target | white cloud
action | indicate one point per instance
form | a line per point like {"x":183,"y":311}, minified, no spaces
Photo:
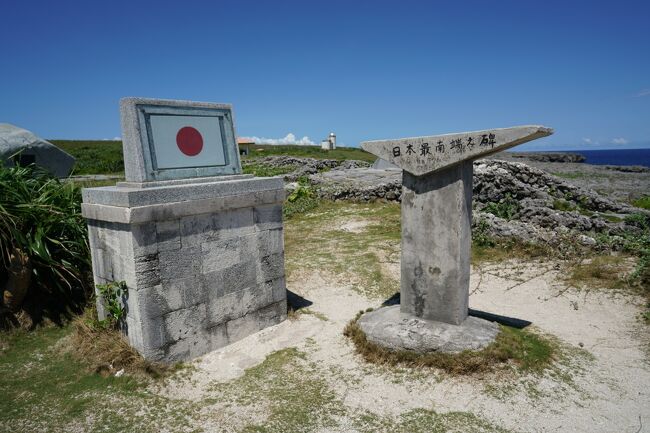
{"x":644,"y":92}
{"x":587,"y":140}
{"x":619,"y":140}
{"x":288,"y":139}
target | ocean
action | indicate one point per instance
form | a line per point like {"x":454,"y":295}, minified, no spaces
{"x":616,"y":156}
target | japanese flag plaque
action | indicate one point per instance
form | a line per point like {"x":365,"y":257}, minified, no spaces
{"x":436,"y":240}
{"x":198,"y":244}
{"x":166,"y":140}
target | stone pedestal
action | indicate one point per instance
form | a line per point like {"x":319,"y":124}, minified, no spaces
{"x":436,"y":241}
{"x":203,"y":259}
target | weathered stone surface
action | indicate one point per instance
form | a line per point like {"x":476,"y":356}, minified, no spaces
{"x":436,"y":238}
{"x":196,"y":281}
{"x":26,"y":147}
{"x":382,"y":164}
{"x":390,"y":328}
{"x":135,"y":197}
{"x":424,"y":155}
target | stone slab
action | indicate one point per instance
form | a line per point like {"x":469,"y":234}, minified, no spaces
{"x":165,"y":211}
{"x":390,"y":328}
{"x":423,"y":155}
{"x":134,"y":197}
{"x":173,"y":182}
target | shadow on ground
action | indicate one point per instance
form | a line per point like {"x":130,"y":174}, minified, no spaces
{"x":503,"y":320}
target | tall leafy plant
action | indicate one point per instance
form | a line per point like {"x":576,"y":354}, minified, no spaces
{"x":40,"y":217}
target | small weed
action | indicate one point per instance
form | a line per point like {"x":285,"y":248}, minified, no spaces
{"x":301,"y":200}
{"x":480,"y":235}
{"x":112,"y":295}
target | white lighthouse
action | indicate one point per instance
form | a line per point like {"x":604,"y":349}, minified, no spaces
{"x":329,"y":143}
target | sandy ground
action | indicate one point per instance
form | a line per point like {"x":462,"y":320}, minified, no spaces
{"x":603,"y":387}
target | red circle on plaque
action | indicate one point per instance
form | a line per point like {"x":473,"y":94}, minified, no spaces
{"x":189,"y":140}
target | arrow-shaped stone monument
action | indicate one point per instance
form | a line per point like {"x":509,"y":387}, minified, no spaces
{"x":436,"y":239}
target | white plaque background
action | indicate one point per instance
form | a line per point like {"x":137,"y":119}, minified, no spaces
{"x":164,"y":129}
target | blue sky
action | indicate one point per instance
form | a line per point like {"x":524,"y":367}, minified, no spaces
{"x":363,"y":69}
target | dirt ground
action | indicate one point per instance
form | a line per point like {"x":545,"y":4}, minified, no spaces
{"x":304,"y":375}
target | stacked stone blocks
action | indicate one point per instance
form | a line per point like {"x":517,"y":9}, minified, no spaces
{"x":196,"y":281}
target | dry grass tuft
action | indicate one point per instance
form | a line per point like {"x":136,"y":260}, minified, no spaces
{"x":601,"y":272}
{"x":106,"y":351}
{"x":512,"y":346}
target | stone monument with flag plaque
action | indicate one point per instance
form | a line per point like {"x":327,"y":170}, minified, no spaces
{"x":436,"y":240}
{"x":198,"y":244}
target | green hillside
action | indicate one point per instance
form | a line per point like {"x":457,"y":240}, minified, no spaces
{"x":105,"y":156}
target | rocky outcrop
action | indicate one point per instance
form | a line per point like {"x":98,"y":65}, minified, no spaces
{"x":549,"y":156}
{"x":514,"y":200}
{"x":306,"y":166}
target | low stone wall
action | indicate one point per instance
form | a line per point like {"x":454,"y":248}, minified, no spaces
{"x":202,"y":272}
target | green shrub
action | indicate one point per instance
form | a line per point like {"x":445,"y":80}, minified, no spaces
{"x":506,"y":208}
{"x":563,"y":205}
{"x":41,"y":217}
{"x":301,"y":200}
{"x":643,"y":202}
{"x":481,"y":234}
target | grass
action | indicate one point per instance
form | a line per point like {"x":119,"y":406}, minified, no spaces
{"x":315,"y":239}
{"x":264,"y":170}
{"x":643,"y":202}
{"x":296,"y":397}
{"x":601,"y":272}
{"x":105,"y":156}
{"x":94,"y":156}
{"x":341,"y":153}
{"x":528,"y":351}
{"x":488,"y":250}
{"x":45,"y":388}
{"x":105,"y":350}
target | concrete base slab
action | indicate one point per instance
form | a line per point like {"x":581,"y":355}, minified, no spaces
{"x":393,"y":330}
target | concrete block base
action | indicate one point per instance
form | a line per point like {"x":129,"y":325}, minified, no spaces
{"x":396,"y":331}
{"x":203,"y":262}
